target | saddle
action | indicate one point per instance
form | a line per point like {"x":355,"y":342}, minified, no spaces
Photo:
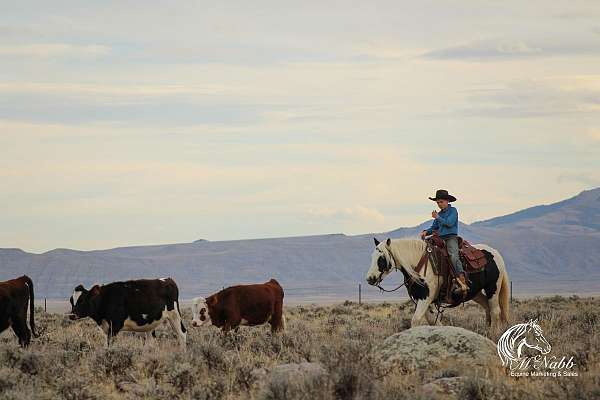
{"x":473,"y":261}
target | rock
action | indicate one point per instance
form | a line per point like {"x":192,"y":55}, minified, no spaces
{"x":435,"y":347}
{"x":289,"y":381}
{"x":471,"y":387}
{"x":444,"y":388}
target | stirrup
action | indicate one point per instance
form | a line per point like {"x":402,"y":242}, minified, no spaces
{"x":460,"y":288}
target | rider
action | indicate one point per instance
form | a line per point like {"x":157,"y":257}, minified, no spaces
{"x":446,"y":223}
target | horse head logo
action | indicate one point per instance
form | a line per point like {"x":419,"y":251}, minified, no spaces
{"x":512,"y":342}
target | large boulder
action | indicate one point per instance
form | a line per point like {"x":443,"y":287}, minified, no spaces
{"x":472,"y":387}
{"x":435,"y":347}
{"x":291,"y":381}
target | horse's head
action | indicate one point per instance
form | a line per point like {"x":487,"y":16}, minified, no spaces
{"x":381,"y":262}
{"x":535,"y":339}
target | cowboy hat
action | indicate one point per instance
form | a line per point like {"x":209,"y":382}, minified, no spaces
{"x":443,"y":194}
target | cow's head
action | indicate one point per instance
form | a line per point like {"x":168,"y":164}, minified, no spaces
{"x":200,"y":314}
{"x":82,"y":302}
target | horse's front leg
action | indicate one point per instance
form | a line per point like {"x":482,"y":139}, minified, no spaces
{"x":420,"y":316}
{"x":432,"y":316}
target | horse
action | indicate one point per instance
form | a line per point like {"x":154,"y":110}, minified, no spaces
{"x":512,"y":342}
{"x":489,"y":289}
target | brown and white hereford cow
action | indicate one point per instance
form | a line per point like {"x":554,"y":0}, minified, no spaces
{"x":241,"y":305}
{"x":136,"y":306}
{"x":14,"y":296}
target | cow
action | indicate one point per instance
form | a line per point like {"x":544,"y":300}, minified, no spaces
{"x":241,"y":305}
{"x":135,"y":306}
{"x":14,"y":296}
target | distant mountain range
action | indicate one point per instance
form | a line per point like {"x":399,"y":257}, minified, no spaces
{"x":549,"y":249}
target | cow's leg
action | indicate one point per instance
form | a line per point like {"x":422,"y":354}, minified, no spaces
{"x":276,"y":321}
{"x":283,"y":322}
{"x":177,"y":325}
{"x":231,"y":323}
{"x":4,"y":323}
{"x":110,"y":329}
{"x":19,"y":326}
{"x":482,"y":300}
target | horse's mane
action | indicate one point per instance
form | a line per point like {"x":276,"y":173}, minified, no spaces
{"x":406,"y":251}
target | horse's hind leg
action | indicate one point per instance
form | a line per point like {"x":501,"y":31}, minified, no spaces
{"x":494,"y":304}
{"x":482,"y":300}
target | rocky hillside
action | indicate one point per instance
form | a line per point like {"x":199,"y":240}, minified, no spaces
{"x":548,"y":248}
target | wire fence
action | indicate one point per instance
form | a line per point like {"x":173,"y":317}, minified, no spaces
{"x":361,"y":292}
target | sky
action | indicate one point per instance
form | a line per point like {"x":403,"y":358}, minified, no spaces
{"x":130,"y":123}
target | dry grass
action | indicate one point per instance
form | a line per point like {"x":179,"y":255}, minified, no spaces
{"x":69,"y":360}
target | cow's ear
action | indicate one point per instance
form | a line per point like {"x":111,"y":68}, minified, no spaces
{"x":80,"y":288}
{"x":376,"y":242}
{"x":388,"y":242}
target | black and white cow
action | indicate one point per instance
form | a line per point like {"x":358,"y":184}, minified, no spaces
{"x":136,"y":306}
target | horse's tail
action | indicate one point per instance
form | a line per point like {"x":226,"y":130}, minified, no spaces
{"x":504,"y":297}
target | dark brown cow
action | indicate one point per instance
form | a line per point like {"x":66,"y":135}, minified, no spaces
{"x":14,"y":296}
{"x":241,"y":305}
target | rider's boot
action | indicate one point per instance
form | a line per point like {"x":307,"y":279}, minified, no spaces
{"x":462,"y":287}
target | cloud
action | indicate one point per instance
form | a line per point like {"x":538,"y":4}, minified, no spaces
{"x":539,"y":97}
{"x":353,"y":213}
{"x":485,"y":50}
{"x":107,"y":89}
{"x":48,"y":50}
{"x":590,"y":180}
{"x":511,"y":49}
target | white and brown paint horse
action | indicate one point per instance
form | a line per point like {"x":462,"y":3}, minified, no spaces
{"x":489,"y":288}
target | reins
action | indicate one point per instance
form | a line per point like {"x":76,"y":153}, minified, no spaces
{"x":389,"y":291}
{"x":423,"y":262}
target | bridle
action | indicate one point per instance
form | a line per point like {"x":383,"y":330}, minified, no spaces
{"x":397,"y":266}
{"x":423,"y":261}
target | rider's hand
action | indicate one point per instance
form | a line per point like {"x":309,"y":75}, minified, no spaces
{"x":423,"y":234}
{"x":434,"y":214}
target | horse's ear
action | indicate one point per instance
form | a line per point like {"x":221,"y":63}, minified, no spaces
{"x":388,"y":242}
{"x":376,"y":241}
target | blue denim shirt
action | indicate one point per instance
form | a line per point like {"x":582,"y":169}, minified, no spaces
{"x":446,"y":223}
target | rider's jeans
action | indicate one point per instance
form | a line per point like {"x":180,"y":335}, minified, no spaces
{"x":452,"y":247}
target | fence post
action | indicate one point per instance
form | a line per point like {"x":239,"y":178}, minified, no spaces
{"x":511,"y":296}
{"x":45,"y":305}
{"x":359,"y":294}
